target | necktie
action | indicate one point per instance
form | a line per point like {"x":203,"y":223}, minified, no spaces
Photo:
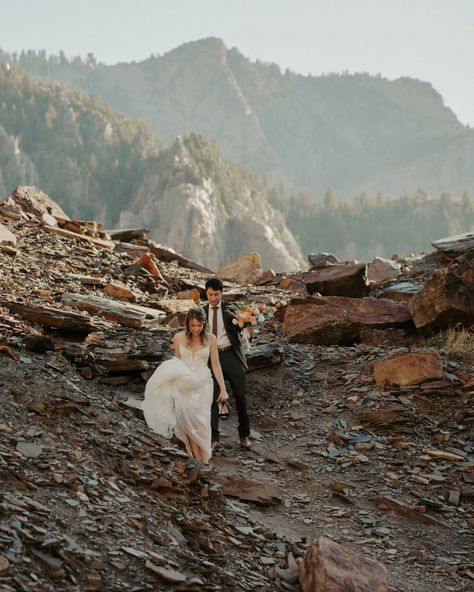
{"x":214,"y":320}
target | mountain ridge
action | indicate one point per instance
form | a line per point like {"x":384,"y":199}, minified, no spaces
{"x":347,"y":132}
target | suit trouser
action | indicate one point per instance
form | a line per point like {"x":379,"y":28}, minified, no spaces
{"x":234,"y":372}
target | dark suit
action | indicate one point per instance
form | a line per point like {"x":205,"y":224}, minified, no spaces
{"x":233,"y":366}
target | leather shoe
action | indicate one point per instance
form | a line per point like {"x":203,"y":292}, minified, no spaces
{"x":245,"y":442}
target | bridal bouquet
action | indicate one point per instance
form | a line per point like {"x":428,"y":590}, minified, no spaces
{"x":247,"y":318}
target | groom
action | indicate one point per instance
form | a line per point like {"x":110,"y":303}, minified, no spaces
{"x":231,"y":358}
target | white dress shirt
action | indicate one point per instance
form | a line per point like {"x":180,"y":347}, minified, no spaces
{"x":222,"y":339}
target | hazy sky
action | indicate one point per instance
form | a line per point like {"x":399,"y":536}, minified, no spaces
{"x":432,"y":40}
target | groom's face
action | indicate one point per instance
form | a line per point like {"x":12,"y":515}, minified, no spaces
{"x":214,"y":296}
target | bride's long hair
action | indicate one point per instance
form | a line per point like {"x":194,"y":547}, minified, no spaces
{"x":199,"y":315}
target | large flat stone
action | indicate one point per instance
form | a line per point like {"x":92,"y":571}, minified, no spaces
{"x":459,"y":243}
{"x":409,"y":369}
{"x":342,"y":279}
{"x":263,"y":494}
{"x":339,"y":321}
{"x":381,"y":269}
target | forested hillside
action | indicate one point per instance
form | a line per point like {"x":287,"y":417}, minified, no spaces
{"x":379,"y":226}
{"x":86,"y":155}
{"x":98,"y":163}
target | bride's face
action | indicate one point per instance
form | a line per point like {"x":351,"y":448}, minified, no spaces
{"x":196,"y":327}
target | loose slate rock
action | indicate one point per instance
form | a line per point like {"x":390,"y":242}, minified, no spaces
{"x":4,"y":563}
{"x":251,"y":491}
{"x":29,"y":449}
{"x":169,"y":575}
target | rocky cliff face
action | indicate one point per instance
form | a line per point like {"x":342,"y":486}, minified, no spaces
{"x":188,"y":211}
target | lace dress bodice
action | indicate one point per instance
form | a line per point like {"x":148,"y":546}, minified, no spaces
{"x":195,"y":360}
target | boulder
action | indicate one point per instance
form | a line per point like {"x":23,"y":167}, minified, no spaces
{"x":131,"y":249}
{"x":193,"y":294}
{"x":127,"y":235}
{"x":51,"y":317}
{"x":448,"y":297}
{"x":403,"y":291}
{"x":266,"y":278}
{"x":98,"y":242}
{"x":322,"y":260}
{"x":344,"y":279}
{"x":129,"y":315}
{"x":293,"y":285}
{"x":459,"y":243}
{"x":330,"y":567}
{"x":381,"y":269}
{"x":318,"y":320}
{"x":170,"y":306}
{"x":336,"y":320}
{"x":49,"y":220}
{"x":245,"y":270}
{"x":10,"y":211}
{"x":34,"y":201}
{"x":408,"y":369}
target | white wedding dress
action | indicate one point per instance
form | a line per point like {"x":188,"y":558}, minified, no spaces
{"x":178,"y":399}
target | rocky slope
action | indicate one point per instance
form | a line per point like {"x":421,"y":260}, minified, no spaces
{"x":342,"y":447}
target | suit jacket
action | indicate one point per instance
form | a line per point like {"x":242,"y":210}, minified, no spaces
{"x":233,"y":331}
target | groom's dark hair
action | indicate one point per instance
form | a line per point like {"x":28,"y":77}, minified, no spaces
{"x":215,"y":284}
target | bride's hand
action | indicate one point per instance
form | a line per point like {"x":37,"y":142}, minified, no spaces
{"x":223,"y":396}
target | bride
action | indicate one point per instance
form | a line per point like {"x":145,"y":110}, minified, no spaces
{"x":178,"y":397}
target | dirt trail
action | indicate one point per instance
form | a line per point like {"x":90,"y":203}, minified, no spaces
{"x":300,"y":420}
